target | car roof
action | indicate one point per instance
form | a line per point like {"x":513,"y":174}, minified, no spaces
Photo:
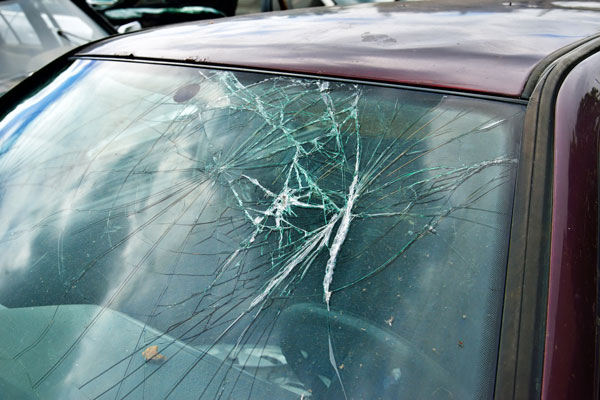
{"x":488,"y":47}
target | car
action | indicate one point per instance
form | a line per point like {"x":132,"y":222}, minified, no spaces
{"x":149,"y":13}
{"x":270,"y":5}
{"x":34,"y":32}
{"x":381,"y":201}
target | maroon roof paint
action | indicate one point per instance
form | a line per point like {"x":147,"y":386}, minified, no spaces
{"x":571,"y":315}
{"x":484,"y":49}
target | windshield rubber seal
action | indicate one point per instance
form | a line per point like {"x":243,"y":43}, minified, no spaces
{"x":522,"y":337}
{"x":545,"y":65}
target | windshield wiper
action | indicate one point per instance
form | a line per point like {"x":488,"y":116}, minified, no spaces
{"x":68,"y":35}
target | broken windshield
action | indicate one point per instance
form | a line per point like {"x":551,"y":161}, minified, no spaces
{"x":177,"y":232}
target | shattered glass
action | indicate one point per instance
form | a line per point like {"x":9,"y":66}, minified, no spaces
{"x":182,"y":233}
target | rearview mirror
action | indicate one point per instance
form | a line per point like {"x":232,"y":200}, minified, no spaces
{"x":129,"y":27}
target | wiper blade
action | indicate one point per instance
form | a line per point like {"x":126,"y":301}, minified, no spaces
{"x":68,"y":35}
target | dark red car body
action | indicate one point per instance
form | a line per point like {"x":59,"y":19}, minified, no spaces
{"x":535,"y":53}
{"x":489,"y":49}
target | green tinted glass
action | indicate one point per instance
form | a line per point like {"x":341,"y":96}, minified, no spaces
{"x":173,"y":232}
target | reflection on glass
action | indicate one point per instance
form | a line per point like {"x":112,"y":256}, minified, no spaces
{"x":181,"y":233}
{"x":34,"y":32}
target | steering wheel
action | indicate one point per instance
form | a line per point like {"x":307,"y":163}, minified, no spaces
{"x":372,"y":362}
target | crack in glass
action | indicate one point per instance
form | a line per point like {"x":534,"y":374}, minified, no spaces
{"x":266,"y":235}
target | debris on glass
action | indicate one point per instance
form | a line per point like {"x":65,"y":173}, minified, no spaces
{"x":151,"y":354}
